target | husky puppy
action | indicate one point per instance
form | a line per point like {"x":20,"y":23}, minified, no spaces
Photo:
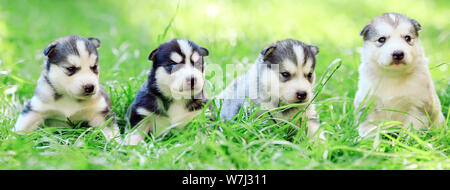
{"x":394,"y":72}
{"x":282,"y":75}
{"x":173,"y":93}
{"x":69,"y":87}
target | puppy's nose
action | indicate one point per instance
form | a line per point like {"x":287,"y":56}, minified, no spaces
{"x":191,"y":80}
{"x":301,"y":95}
{"x":89,"y":88}
{"x":398,"y":55}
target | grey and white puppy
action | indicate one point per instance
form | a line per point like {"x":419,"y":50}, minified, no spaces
{"x":394,"y":73}
{"x":69,"y":87}
{"x":282,"y":75}
{"x":173,"y":92}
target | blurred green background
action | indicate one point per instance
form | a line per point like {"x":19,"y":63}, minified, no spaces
{"x":234,"y":31}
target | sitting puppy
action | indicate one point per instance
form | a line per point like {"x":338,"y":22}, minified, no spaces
{"x":69,"y":87}
{"x":394,"y":72}
{"x":173,"y":93}
{"x":283,"y":74}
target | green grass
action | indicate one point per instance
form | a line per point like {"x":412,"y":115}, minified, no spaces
{"x":235,"y":33}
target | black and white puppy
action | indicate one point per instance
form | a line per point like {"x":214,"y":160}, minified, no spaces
{"x":394,"y":73}
{"x":282,"y":75}
{"x":69,"y":88}
{"x":173,"y":93}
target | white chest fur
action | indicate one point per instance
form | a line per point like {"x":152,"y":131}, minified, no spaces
{"x":411,"y":94}
{"x":395,"y":92}
{"x":176,"y":116}
{"x":69,"y":108}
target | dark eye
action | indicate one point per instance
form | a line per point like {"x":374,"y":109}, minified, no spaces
{"x":408,"y":38}
{"x":171,"y":65}
{"x":285,"y":74}
{"x":382,"y":39}
{"x":71,"y":69}
{"x":309,"y":76}
{"x":94,"y":68}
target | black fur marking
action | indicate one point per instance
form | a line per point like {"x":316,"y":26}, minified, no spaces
{"x":266,"y":52}
{"x":95,"y":41}
{"x":417,"y":26}
{"x":306,"y":53}
{"x":58,"y":50}
{"x":47,"y":65}
{"x":149,"y":93}
{"x":283,"y":50}
{"x":56,"y":95}
{"x":161,"y":55}
{"x":309,"y":55}
{"x":27,"y":108}
{"x":369,"y":32}
{"x":147,"y":98}
{"x":365,"y":31}
{"x":49,"y":49}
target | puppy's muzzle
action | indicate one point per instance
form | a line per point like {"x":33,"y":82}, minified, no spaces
{"x":397,"y":56}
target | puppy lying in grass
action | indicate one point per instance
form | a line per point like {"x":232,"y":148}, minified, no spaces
{"x":69,"y":88}
{"x":282,"y":75}
{"x":394,"y":75}
{"x":173,"y":93}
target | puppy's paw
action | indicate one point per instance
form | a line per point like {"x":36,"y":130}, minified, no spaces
{"x":367,"y":130}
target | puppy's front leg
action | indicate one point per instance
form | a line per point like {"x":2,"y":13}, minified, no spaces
{"x":28,"y":120}
{"x":111,"y":131}
{"x":313,"y":127}
{"x":366,"y":129}
{"x":136,"y":136}
{"x":313,"y":123}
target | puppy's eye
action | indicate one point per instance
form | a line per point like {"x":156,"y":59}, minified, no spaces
{"x":71,"y":69}
{"x":408,"y":38}
{"x":382,"y":39}
{"x":285,"y":74}
{"x":309,"y":76}
{"x":94,"y":68}
{"x":171,"y":65}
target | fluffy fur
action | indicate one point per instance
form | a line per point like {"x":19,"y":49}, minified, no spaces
{"x":173,"y":93}
{"x":394,"y":74}
{"x":69,"y":88}
{"x":282,"y":75}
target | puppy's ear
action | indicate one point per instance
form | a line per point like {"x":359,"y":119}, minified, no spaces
{"x":49,"y":49}
{"x":95,"y":41}
{"x":416,"y":25}
{"x":152,"y":55}
{"x":364,"y":31}
{"x":204,"y":52}
{"x":267,"y":52}
{"x":314,"y":49}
